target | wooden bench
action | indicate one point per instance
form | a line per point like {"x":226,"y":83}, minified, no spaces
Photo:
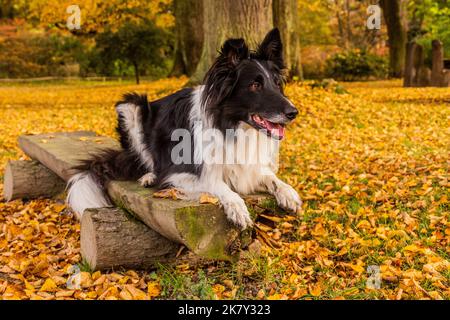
{"x":142,"y":229}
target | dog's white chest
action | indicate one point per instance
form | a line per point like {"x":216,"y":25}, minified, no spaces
{"x":253,"y":154}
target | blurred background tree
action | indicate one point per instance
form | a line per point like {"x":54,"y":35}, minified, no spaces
{"x":323,"y":38}
{"x":395,"y":17}
{"x":140,"y":45}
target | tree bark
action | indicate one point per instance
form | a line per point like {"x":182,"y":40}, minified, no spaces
{"x":409,"y":71}
{"x":437,"y":70}
{"x":396,"y":26}
{"x":285,"y":17}
{"x":111,"y":238}
{"x":30,"y":180}
{"x":136,"y":72}
{"x":63,"y":151}
{"x":248,"y":19}
{"x":189,"y":36}
{"x":202,"y":228}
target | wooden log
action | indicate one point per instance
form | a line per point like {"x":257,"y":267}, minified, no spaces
{"x":61,"y":152}
{"x":202,"y":228}
{"x":30,"y":180}
{"x":409,"y":64}
{"x":111,"y":238}
{"x":446,"y":78}
{"x":437,"y":60}
{"x":424,"y":76}
{"x":420,"y":74}
{"x":418,"y":62}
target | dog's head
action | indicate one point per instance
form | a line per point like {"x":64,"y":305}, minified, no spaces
{"x":247,"y":86}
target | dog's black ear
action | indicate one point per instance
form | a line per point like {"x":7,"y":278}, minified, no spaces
{"x":271,"y":48}
{"x":234,"y":51}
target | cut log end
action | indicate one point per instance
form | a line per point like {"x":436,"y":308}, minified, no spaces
{"x":111,"y":238}
{"x":30,"y":180}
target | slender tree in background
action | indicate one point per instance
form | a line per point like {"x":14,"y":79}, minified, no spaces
{"x":393,"y":12}
{"x":135,"y":43}
{"x":189,"y":36}
{"x":285,"y":17}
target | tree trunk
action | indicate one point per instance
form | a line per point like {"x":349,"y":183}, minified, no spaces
{"x":285,"y":17}
{"x":342,"y":40}
{"x":248,"y":19}
{"x":189,"y":36}
{"x":179,"y":67}
{"x":396,"y":26}
{"x":437,"y":60}
{"x":136,"y":72}
{"x":409,"y":71}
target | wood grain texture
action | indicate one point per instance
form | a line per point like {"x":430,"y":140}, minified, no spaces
{"x":61,"y":152}
{"x":111,"y":238}
{"x":30,"y":180}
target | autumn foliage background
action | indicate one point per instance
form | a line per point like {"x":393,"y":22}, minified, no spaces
{"x":370,"y":160}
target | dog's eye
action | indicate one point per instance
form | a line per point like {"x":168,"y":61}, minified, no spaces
{"x":255,"y":86}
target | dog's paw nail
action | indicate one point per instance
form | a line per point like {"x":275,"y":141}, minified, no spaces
{"x":147,"y":180}
{"x":288,"y":199}
{"x":237,"y":213}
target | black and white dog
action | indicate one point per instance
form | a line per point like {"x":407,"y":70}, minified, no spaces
{"x":242,"y":97}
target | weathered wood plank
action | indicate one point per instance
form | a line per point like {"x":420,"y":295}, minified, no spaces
{"x":61,"y":152}
{"x":203,"y":228}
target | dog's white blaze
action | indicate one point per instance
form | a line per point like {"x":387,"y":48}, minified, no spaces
{"x":266,"y":73}
{"x":264,"y":70}
{"x":84,"y":193}
{"x":133,"y":123}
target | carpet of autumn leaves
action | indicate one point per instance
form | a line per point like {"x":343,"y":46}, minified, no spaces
{"x":372,"y":166}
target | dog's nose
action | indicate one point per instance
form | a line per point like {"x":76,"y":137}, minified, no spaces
{"x":291,"y":113}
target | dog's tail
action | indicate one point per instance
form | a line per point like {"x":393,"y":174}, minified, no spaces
{"x":86,"y":188}
{"x":84,"y":192}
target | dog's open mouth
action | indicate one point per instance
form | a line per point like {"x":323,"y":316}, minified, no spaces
{"x":274,"y":130}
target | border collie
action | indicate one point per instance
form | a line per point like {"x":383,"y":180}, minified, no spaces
{"x":242,"y":93}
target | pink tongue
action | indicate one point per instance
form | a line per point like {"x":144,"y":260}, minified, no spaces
{"x":275,"y":129}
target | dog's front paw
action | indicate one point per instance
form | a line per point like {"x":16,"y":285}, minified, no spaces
{"x":147,"y":180}
{"x":288,"y":199}
{"x":237,"y":212}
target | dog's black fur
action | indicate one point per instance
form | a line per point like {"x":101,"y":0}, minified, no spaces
{"x":239,"y":85}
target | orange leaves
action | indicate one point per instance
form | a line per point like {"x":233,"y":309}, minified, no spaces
{"x":208,"y":198}
{"x":172,"y":193}
{"x":371,"y":168}
{"x":315,"y":289}
{"x":95,"y":16}
{"x":153,"y":289}
{"x":133,"y":293}
{"x":49,"y":286}
{"x":358,"y":267}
